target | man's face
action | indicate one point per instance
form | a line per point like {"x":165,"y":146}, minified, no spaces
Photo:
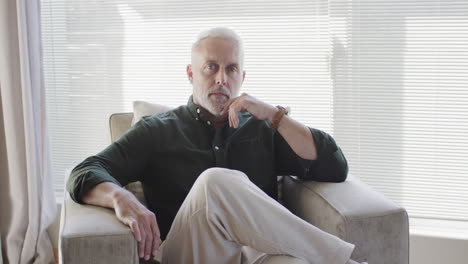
{"x":215,"y":73}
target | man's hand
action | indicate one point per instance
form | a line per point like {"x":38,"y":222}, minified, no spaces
{"x":141,"y":221}
{"x":247,"y":103}
{"x":297,"y":135}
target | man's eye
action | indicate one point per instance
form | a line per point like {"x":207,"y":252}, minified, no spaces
{"x":232,"y":69}
{"x":211,"y":67}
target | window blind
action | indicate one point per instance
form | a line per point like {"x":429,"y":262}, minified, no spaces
{"x":388,"y":79}
{"x":400,"y":78}
{"x":100,"y":56}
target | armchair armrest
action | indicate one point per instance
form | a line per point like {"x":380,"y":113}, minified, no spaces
{"x":91,"y":234}
{"x":354,"y":212}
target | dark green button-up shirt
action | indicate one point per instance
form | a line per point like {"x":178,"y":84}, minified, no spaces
{"x":168,"y":151}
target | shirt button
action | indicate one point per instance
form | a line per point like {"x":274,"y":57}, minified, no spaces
{"x":216,"y":147}
{"x":196,"y":118}
{"x":208,"y":122}
{"x":198,"y":110}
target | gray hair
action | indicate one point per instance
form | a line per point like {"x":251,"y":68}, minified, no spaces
{"x":220,"y":32}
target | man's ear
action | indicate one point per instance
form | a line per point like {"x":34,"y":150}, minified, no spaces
{"x":190,"y":73}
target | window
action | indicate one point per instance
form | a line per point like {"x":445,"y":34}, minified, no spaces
{"x":100,"y":56}
{"x":387,"y":79}
{"x":400,"y":74}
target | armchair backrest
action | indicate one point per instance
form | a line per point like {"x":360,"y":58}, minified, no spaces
{"x":119,"y":123}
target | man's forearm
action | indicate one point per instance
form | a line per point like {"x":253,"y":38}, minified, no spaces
{"x":129,"y":211}
{"x":297,"y":135}
{"x":104,"y":194}
{"x":299,"y":138}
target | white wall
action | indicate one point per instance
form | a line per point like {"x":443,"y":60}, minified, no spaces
{"x":437,"y":250}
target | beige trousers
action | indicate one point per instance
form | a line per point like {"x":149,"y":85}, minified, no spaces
{"x":227,"y":219}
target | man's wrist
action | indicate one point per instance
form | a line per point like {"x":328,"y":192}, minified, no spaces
{"x":278,"y":116}
{"x":118,"y":195}
{"x":273,"y":112}
{"x":282,"y":121}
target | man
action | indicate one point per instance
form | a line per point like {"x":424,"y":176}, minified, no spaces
{"x":209,"y":171}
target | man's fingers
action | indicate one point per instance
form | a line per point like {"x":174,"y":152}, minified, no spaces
{"x":139,"y":219}
{"x":148,"y":238}
{"x":156,"y":235}
{"x":226,"y":107}
{"x":230,"y":102}
{"x":135,"y":229}
{"x":236,"y":115}
{"x":139,"y":236}
{"x":141,"y":245}
{"x":233,"y":113}
{"x":231,"y":119}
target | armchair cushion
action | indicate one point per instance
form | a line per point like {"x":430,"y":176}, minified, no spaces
{"x":143,"y":108}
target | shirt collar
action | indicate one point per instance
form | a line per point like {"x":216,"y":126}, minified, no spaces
{"x":197,"y":112}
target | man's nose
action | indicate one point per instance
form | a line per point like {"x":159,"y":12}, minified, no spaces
{"x":221,"y":78}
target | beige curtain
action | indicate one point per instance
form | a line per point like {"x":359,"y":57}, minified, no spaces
{"x":26,"y":197}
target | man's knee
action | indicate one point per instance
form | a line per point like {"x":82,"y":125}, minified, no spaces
{"x":220,"y":177}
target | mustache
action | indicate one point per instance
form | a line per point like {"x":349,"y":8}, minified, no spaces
{"x":220,"y":89}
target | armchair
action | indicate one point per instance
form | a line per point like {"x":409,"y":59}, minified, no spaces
{"x":350,"y":210}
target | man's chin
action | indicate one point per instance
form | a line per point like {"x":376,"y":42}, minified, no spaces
{"x":218,"y":105}
{"x":216,"y":110}
{"x":218,"y":100}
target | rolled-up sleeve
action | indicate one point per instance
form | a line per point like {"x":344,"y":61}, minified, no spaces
{"x":121,"y":162}
{"x":330,"y":165}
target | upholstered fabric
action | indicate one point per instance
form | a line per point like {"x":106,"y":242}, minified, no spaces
{"x":91,"y":234}
{"x":119,"y":123}
{"x":142,"y":108}
{"x":354,"y":212}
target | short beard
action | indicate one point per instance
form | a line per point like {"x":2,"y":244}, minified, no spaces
{"x":214,"y":107}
